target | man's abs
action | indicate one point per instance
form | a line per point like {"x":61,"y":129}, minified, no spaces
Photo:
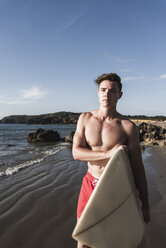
{"x":96,"y":168}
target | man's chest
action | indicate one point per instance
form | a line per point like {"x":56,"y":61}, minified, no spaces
{"x":105,"y":134}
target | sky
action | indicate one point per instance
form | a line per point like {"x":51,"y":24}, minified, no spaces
{"x":52,"y":50}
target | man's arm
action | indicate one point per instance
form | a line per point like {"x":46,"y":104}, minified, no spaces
{"x":138,"y":168}
{"x":80,"y":150}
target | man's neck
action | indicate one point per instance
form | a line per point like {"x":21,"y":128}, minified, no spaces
{"x":107,"y":113}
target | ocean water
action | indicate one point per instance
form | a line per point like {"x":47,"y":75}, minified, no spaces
{"x":17,"y":153}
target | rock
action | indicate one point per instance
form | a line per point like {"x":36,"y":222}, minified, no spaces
{"x":155,"y":144}
{"x":10,"y":145}
{"x":69,"y":137}
{"x":42,"y":135}
{"x":162,"y":143}
{"x":151,"y":134}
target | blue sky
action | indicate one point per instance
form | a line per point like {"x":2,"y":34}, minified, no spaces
{"x":51,"y":51}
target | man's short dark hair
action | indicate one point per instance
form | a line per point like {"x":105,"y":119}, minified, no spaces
{"x":111,"y":77}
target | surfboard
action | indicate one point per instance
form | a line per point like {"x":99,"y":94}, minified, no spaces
{"x":113,"y":216}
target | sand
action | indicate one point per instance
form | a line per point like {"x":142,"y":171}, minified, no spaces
{"x":156,"y":174}
{"x":38,"y":204}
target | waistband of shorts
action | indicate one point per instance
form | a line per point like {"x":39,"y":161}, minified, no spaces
{"x":91,"y":177}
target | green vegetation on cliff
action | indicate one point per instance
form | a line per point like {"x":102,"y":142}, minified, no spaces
{"x":63,"y":118}
{"x":144,"y":117}
{"x":53,"y":118}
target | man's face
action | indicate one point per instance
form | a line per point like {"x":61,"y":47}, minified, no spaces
{"x":108,"y":93}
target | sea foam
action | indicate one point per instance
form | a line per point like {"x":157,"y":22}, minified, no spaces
{"x":14,"y":169}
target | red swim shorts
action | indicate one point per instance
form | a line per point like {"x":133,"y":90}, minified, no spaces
{"x":88,"y":184}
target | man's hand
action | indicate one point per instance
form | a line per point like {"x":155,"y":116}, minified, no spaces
{"x":111,"y":152}
{"x":125,"y":148}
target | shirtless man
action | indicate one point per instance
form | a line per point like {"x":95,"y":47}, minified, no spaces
{"x":99,"y":133}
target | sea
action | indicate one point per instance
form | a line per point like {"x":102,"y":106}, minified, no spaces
{"x":16,"y":153}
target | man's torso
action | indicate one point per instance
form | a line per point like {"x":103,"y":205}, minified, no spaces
{"x":103,"y":135}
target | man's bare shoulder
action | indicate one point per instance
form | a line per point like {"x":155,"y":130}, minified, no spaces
{"x":87,"y":115}
{"x":128,"y":125}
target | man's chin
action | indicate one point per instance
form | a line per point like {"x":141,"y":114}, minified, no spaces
{"x":106,"y":104}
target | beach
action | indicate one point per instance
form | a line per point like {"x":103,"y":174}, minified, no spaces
{"x":38,"y":204}
{"x":155,"y":165}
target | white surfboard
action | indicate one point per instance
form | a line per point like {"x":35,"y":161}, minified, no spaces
{"x":112,"y":217}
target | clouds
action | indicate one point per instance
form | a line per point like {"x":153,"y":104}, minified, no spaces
{"x":143,"y":78}
{"x":162,"y":76}
{"x":74,"y":18}
{"x":25,"y":96}
{"x":132,"y":78}
{"x":119,"y":59}
{"x":132,"y":69}
{"x":33,"y":93}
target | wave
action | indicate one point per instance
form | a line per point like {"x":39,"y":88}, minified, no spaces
{"x":14,"y":169}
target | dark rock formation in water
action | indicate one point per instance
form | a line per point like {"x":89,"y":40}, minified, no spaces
{"x":42,"y":135}
{"x":152,"y":134}
{"x":69,"y":137}
{"x":55,"y":118}
{"x":148,"y":134}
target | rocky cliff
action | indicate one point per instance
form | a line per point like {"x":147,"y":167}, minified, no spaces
{"x":55,"y":118}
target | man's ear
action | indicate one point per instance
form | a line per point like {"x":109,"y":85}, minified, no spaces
{"x":120,"y":94}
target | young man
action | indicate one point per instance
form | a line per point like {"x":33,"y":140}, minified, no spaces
{"x":99,"y":133}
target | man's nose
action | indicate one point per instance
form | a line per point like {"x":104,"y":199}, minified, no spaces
{"x":107,"y":93}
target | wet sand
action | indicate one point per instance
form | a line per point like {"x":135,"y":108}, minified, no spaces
{"x":156,"y":175}
{"x":38,"y":204}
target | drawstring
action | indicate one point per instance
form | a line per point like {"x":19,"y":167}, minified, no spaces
{"x":94,"y":182}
